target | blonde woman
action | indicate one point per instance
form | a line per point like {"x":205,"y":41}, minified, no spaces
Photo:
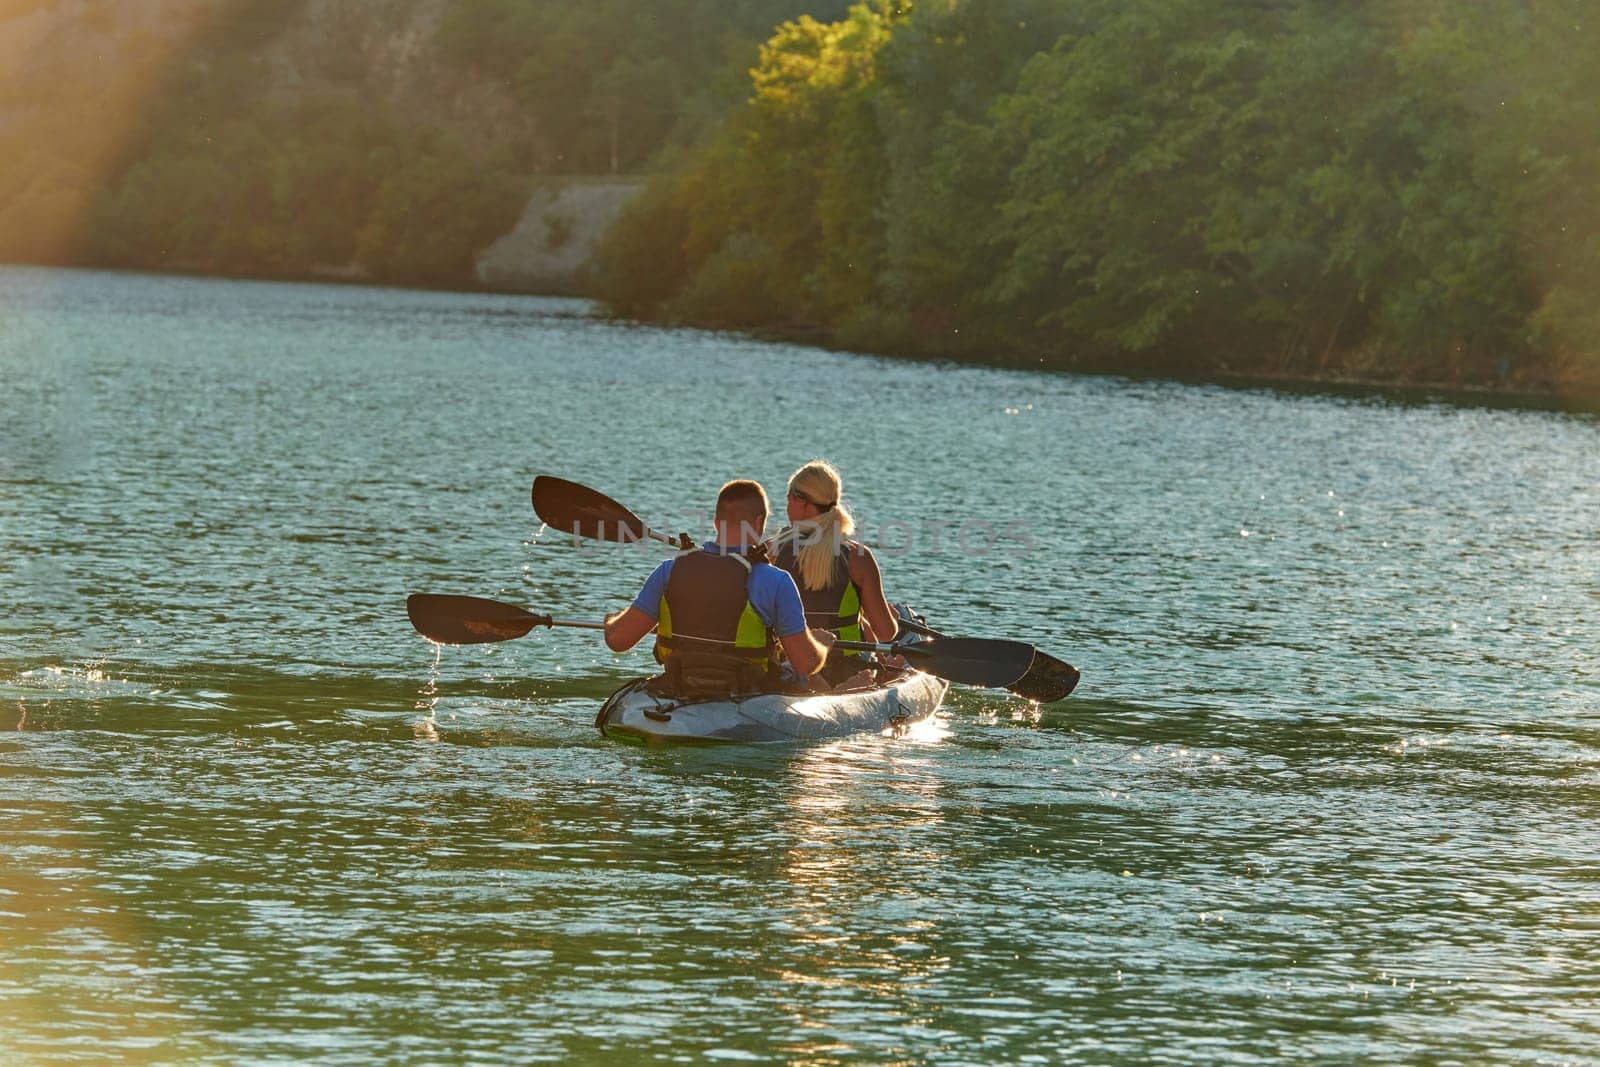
{"x":838,"y":578}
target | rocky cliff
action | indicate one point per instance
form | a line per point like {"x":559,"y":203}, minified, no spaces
{"x":549,"y":249}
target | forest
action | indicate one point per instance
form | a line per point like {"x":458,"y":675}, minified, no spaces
{"x":1389,"y":190}
{"x":392,"y":142}
{"x":1379,"y":191}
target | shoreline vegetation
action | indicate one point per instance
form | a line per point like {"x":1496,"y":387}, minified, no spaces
{"x":1394,"y":196}
{"x":1386,"y":192}
{"x":1496,"y":396}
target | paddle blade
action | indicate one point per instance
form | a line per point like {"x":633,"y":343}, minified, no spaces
{"x":573,"y":508}
{"x":1047,"y":680}
{"x":468,"y":620}
{"x":972,"y":660}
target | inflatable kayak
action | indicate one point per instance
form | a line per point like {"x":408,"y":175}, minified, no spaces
{"x":634,"y":712}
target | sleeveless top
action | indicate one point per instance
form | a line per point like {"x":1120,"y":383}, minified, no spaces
{"x":836,"y":606}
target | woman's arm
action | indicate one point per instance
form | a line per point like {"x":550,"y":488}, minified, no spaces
{"x":874,"y":605}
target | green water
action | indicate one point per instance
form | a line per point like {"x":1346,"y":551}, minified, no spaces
{"x":1327,"y":792}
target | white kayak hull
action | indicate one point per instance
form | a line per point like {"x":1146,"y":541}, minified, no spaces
{"x":633,"y":712}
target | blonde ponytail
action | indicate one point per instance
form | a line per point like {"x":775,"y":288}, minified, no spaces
{"x":817,"y":544}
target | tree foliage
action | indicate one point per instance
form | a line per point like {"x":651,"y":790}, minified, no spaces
{"x":289,"y":137}
{"x":293,"y":191}
{"x":613,"y":81}
{"x":1386,"y":190}
{"x":767,"y":208}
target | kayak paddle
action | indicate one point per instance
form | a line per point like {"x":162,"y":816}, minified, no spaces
{"x":1047,"y":679}
{"x":577,"y":509}
{"x":967,"y":660}
{"x":475,"y":620}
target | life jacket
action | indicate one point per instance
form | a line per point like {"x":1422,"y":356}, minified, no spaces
{"x":837,"y":605}
{"x":708,"y":635}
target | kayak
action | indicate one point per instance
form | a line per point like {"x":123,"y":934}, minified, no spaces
{"x":635,"y":713}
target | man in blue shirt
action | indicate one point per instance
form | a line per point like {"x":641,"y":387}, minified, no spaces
{"x":719,"y":615}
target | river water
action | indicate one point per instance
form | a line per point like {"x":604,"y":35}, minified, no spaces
{"x":1328,"y":791}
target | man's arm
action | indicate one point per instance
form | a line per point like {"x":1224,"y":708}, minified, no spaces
{"x":627,"y":628}
{"x":807,"y":650}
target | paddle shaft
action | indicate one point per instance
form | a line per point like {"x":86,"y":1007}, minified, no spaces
{"x":872,"y":646}
{"x":623,"y":538}
{"x":654,"y":535}
{"x":917,"y":628}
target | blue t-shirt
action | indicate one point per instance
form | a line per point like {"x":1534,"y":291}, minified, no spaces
{"x":772,"y":593}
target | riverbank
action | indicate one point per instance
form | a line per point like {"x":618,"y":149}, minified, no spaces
{"x":1576,"y":397}
{"x":1577,"y":400}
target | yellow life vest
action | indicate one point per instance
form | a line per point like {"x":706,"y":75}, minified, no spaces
{"x":708,"y":634}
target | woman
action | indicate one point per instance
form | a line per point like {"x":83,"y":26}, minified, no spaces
{"x":838,"y":578}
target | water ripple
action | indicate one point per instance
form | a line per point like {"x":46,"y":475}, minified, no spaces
{"x":1327,"y":792}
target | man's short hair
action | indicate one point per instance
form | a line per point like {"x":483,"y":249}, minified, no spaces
{"x":742,"y":498}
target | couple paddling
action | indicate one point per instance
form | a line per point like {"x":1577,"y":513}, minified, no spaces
{"x":722,"y":612}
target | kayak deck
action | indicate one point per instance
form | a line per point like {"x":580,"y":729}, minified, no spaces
{"x":635,"y":713}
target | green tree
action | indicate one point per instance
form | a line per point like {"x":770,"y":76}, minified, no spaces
{"x":613,"y":81}
{"x":434,"y":211}
{"x":757,"y":205}
{"x":1275,"y":186}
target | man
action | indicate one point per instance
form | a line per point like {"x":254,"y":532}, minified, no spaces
{"x":720,"y":615}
